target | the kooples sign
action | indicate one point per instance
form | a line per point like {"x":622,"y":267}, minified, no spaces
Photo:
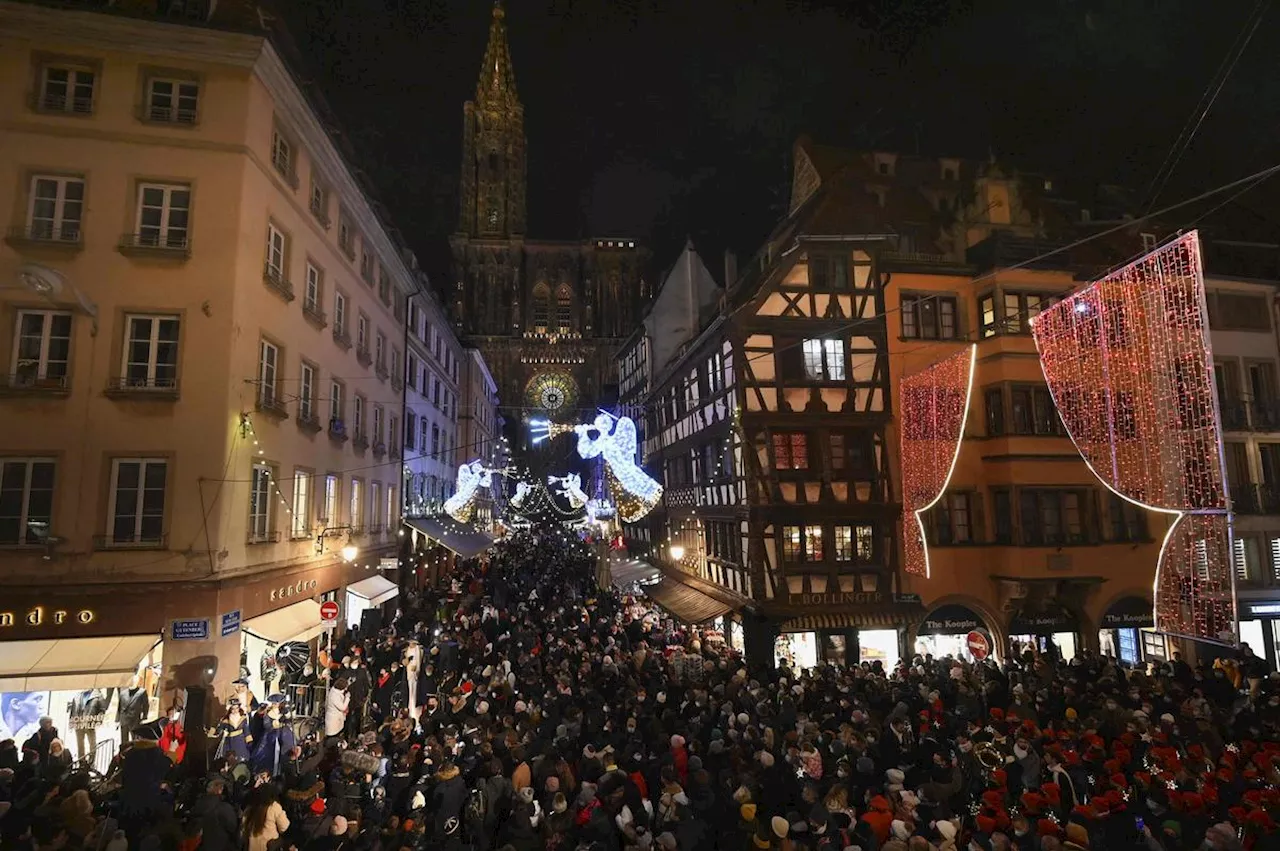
{"x":40,"y":616}
{"x":301,"y":588}
{"x":838,"y":598}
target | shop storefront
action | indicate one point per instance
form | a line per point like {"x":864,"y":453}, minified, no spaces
{"x":1050,"y":628}
{"x":945,"y":632}
{"x":837,"y":639}
{"x":1260,"y":628}
{"x":1128,"y":633}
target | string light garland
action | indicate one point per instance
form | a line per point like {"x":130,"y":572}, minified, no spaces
{"x":570,"y":487}
{"x":1129,"y":363}
{"x":471,"y":478}
{"x":935,"y":406}
{"x":613,"y":439}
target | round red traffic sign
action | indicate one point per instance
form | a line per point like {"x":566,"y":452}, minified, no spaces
{"x":329,"y":610}
{"x":979,"y":646}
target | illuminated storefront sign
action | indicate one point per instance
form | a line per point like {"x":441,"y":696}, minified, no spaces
{"x":39,"y":616}
{"x":299,"y":588}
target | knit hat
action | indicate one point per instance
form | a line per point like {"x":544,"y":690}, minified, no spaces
{"x":317,"y":806}
{"x":780,"y":826}
{"x":339,"y":826}
{"x":526,"y":794}
{"x":946,"y":829}
{"x":558,"y":803}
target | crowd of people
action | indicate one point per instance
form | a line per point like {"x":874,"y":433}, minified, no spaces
{"x":525,"y":709}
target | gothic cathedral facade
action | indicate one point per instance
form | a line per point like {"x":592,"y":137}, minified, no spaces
{"x":547,"y":315}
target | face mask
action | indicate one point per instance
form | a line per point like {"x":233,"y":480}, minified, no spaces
{"x":966,"y":747}
{"x":1020,"y":753}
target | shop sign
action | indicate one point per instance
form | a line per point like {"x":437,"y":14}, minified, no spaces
{"x":979,"y":646}
{"x":302,"y":587}
{"x":192,"y":629}
{"x":1263,"y":610}
{"x":947,"y":626}
{"x":388,"y":563}
{"x":838,"y":598}
{"x":1129,"y":613}
{"x":39,"y":616}
{"x":907,"y":598}
{"x":230,"y":623}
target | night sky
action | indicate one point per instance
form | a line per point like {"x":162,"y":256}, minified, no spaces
{"x":665,"y":119}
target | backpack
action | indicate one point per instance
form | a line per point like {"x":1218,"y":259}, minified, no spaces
{"x":477,"y":804}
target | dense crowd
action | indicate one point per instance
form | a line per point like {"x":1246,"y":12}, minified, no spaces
{"x":524,"y":709}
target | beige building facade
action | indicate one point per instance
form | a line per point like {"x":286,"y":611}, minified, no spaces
{"x":201,"y":316}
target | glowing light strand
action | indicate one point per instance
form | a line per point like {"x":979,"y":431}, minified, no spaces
{"x":935,"y":407}
{"x":614,"y":439}
{"x":1129,"y":363}
{"x":471,"y":478}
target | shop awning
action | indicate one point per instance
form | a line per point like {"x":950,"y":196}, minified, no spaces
{"x":299,"y":622}
{"x":376,"y":589}
{"x":1129,"y":613}
{"x":951,"y":620}
{"x":687,"y":604}
{"x":843,"y":620}
{"x":1048,"y":620}
{"x":72,"y":663}
{"x":626,"y":572}
{"x":463,"y":539}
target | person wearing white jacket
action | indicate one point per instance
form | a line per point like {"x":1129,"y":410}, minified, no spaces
{"x":336,"y":705}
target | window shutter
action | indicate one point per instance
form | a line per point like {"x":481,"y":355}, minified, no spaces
{"x":978,"y":519}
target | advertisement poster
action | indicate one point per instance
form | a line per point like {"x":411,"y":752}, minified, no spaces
{"x":20,"y":713}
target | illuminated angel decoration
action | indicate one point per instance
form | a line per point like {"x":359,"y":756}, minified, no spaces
{"x":614,"y":439}
{"x":471,"y":478}
{"x":570,"y":487}
{"x":521,"y":494}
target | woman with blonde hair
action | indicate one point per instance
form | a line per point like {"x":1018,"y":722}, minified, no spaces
{"x":77,"y":814}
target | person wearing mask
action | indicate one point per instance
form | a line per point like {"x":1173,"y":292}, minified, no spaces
{"x":337,"y":705}
{"x":232,"y":733}
{"x":219,"y":822}
{"x":173,"y":739}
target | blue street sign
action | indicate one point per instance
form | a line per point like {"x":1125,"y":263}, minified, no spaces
{"x":230,"y":623}
{"x":193,"y":629}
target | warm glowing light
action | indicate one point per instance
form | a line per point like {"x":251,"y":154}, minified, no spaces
{"x":935,"y":407}
{"x":614,"y":439}
{"x":471,"y":478}
{"x":349,"y":552}
{"x":1129,"y":363}
{"x":677,"y":552}
{"x":570,"y":487}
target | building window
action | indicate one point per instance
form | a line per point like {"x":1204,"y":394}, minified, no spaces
{"x":792,"y":544}
{"x":1128,"y":521}
{"x":301,"y":527}
{"x":337,"y":408}
{"x":824,"y":360}
{"x":1002,"y":507}
{"x":391,"y":507}
{"x":306,"y":392}
{"x":366,"y":262}
{"x":564,"y":309}
{"x":384,"y":285}
{"x":843,"y":540}
{"x":137,"y":500}
{"x":994,"y":400}
{"x":313,"y":293}
{"x":268,"y":373}
{"x":411,"y":371}
{"x":953,"y":519}
{"x":164,"y":215}
{"x":435,"y":391}
{"x":362,"y":333}
{"x":422,"y":437}
{"x":346,"y":236}
{"x":56,"y":208}
{"x":541,"y":310}
{"x":172,"y":101}
{"x":813,"y":543}
{"x":435,"y":441}
{"x":828,"y":272}
{"x":320,"y":201}
{"x":377,"y":424}
{"x":260,"y":503}
{"x":26,"y":500}
{"x":380,"y":350}
{"x":329,"y":510}
{"x":715,"y":372}
{"x":151,"y":352}
{"x":339,"y":313}
{"x":282,"y":155}
{"x":1052,"y":517}
{"x":1034,"y":412}
{"x":66,"y":89}
{"x":1021,"y":308}
{"x":987,"y":315}
{"x":929,"y":317}
{"x":375,"y":505}
{"x":357,"y":504}
{"x":275,"y":252}
{"x":790,"y":450}
{"x":41,"y":348}
{"x":410,"y":429}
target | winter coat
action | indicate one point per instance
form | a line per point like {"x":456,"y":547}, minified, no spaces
{"x":277,"y":823}
{"x":142,"y":771}
{"x":218,"y":822}
{"x":335,"y":711}
{"x":447,"y":800}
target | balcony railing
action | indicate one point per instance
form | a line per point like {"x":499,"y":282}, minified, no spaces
{"x":158,"y":244}
{"x":272,"y":537}
{"x":275,"y":279}
{"x":320,"y":214}
{"x":309,"y":422}
{"x":269,"y":403}
{"x":313,"y":314}
{"x":381,"y":371}
{"x":129,"y":542}
{"x":54,"y":102}
{"x":1252,"y":498}
{"x":360,"y":443}
{"x":1258,"y":415}
{"x":37,"y":385}
{"x":341,"y":337}
{"x":364,"y":356}
{"x":379,"y":450}
{"x":66,"y":235}
{"x":143,"y":388}
{"x":338,"y":431}
{"x":160,"y":114}
{"x":1235,"y":416}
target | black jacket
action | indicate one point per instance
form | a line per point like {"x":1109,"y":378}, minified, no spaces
{"x":447,"y":800}
{"x":219,"y":823}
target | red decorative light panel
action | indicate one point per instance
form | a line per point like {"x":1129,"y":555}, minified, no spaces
{"x":935,"y":405}
{"x":1129,"y":365}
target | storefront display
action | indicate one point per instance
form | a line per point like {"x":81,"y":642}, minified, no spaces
{"x":1128,"y":633}
{"x":373,"y":592}
{"x":945,"y":630}
{"x":1260,"y":629}
{"x":796,"y":650}
{"x":1050,"y":629}
{"x":879,"y":645}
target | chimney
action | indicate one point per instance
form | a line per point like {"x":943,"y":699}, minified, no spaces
{"x":730,"y":269}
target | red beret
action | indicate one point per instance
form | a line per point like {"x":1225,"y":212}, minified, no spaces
{"x":986,"y":824}
{"x":1119,"y":780}
{"x":997,"y":713}
{"x":1001,"y":777}
{"x":1046,"y":827}
{"x":1052,"y":791}
{"x":1260,"y":819}
{"x":992,"y":798}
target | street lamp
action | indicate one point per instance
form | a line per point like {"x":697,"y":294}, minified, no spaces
{"x":349,"y":550}
{"x":677,"y":552}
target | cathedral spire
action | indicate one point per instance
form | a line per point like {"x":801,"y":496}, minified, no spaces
{"x":497,"y":83}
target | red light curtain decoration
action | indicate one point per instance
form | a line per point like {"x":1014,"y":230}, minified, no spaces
{"x":1129,"y":365}
{"x":935,"y":406}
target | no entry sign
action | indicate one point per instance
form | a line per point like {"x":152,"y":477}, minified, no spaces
{"x":329,"y":613}
{"x":979,"y":646}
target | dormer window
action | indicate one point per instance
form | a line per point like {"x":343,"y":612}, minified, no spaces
{"x":884,"y":168}
{"x":948,"y":174}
